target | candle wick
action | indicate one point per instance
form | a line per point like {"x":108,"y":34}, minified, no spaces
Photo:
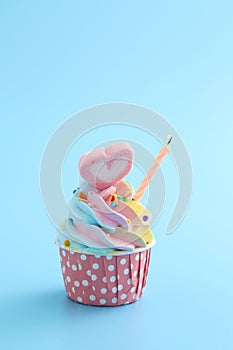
{"x":169,"y":140}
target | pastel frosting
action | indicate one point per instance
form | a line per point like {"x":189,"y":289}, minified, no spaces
{"x":103,"y":217}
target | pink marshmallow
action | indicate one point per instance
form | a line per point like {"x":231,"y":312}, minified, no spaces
{"x":103,"y":168}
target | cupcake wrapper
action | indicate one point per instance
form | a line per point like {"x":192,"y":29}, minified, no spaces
{"x":109,"y":280}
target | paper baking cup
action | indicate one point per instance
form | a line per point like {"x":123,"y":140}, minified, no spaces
{"x":107,"y":280}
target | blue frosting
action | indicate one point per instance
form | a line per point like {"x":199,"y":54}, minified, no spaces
{"x":84,"y":212}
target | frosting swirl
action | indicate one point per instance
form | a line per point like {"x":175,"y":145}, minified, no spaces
{"x":102,"y":215}
{"x":106,"y":220}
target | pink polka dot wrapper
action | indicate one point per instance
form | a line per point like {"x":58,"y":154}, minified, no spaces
{"x":107,"y":280}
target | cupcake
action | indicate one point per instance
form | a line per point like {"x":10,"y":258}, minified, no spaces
{"x":105,"y":241}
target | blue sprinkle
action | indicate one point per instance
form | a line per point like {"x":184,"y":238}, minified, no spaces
{"x":145,"y":218}
{"x":76,"y":189}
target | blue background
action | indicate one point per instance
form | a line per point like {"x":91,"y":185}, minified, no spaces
{"x":175,"y":57}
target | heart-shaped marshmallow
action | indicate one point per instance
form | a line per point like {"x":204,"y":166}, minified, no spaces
{"x":104,"y":167}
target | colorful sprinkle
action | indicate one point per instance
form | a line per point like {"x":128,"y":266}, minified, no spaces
{"x":76,"y":189}
{"x":66,"y":243}
{"x":145,"y":218}
{"x":82,"y":199}
{"x":124,"y":199}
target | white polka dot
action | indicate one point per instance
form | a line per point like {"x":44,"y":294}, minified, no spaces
{"x":134,"y":296}
{"x":137,"y":257}
{"x":126,"y":271}
{"x":74,"y":267}
{"x":120,"y":287}
{"x":63,"y":252}
{"x":103,"y":290}
{"x":109,"y":257}
{"x":102,"y":301}
{"x":95,"y":266}
{"x":129,"y":281}
{"x":123,"y":261}
{"x":71,"y":252}
{"x":68,"y":279}
{"x":127,"y":302}
{"x":92,"y":297}
{"x":132,"y":289}
{"x":112,"y":278}
{"x":135,"y":273}
{"x":93,"y":277}
{"x":93,"y":288}
{"x":76,"y":283}
{"x":69,"y":294}
{"x":68,"y":263}
{"x":88,"y":272}
{"x":105,"y":279}
{"x":123,"y":296}
{"x":97,"y":256}
{"x":80,"y":299}
{"x":111,"y":268}
{"x":73,"y":289}
{"x":63,"y":269}
{"x":114,"y":289}
{"x":131,"y":266}
{"x":84,"y":282}
{"x":83,"y":257}
{"x":114,"y":300}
